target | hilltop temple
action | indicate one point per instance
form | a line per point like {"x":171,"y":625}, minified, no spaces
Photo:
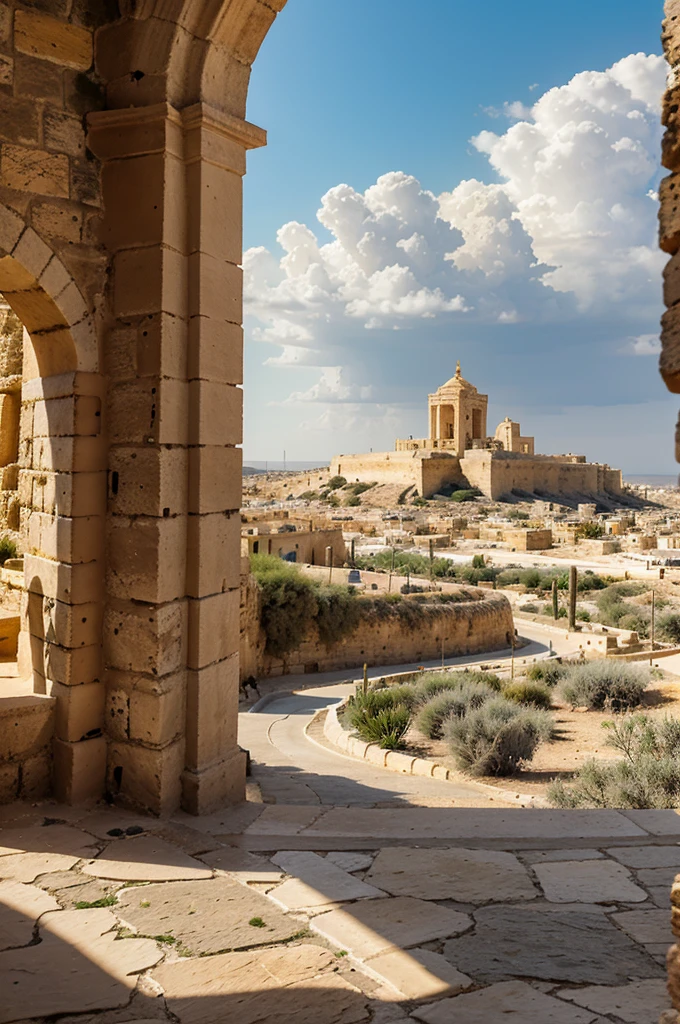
{"x":459,"y":453}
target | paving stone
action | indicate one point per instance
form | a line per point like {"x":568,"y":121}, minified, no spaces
{"x":283,"y":820}
{"x":649,"y":877}
{"x":316,"y":882}
{"x":588,"y":882}
{"x":290,"y":985}
{"x":99,"y":823}
{"x":230,"y":821}
{"x":205,"y":917}
{"x":540,"y":856}
{"x":61,"y":880}
{"x":79,"y":966}
{"x":647,"y":856}
{"x":470,"y":823}
{"x":513,"y":1002}
{"x":511,"y":941}
{"x":646,"y":925}
{"x":468,"y":876}
{"x":657,"y":823}
{"x":370,"y":927}
{"x":640,"y":1002}
{"x":58,"y":839}
{"x":660,"y":896}
{"x":349,"y":861}
{"x":417,"y":973}
{"x":144,"y":859}
{"x":92,"y":890}
{"x":20,"y":907}
{"x":245,"y":867}
{"x":26,"y":867}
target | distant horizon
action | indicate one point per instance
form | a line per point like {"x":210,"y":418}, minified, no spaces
{"x":277,"y":465}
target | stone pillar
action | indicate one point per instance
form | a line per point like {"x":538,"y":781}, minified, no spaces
{"x":172,"y":196}
{"x":438,"y":425}
{"x":11,"y":343}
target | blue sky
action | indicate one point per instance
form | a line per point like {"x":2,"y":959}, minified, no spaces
{"x":349,"y":93}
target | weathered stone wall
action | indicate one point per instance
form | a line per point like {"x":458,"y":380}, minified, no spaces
{"x":308,"y":546}
{"x":471,"y":627}
{"x":498,"y":473}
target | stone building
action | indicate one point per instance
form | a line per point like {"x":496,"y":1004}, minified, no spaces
{"x":458,"y":453}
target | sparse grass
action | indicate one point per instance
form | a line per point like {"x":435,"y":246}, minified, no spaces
{"x":167,"y":940}
{"x":8,"y":549}
{"x":257,"y":922}
{"x":105,"y":901}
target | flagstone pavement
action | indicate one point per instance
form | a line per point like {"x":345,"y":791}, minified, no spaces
{"x":294,"y":914}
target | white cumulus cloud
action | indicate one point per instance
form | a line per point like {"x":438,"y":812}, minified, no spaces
{"x":567,"y":229}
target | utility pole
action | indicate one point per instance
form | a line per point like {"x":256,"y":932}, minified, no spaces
{"x":329,"y":562}
{"x":512,"y":658}
{"x":442,"y":648}
{"x":389,"y":582}
{"x":555,"y":604}
{"x":573,"y":584}
{"x":364,"y":685}
{"x":352,"y":550}
{"x":653,"y":624}
{"x":431,"y":561}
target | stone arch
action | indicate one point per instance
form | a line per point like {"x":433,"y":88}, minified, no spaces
{"x":47,"y":300}
{"x":62,"y":493}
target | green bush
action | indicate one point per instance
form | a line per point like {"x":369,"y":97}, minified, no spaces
{"x":497,"y":738}
{"x":668,"y":628}
{"x":528,"y":692}
{"x":466,"y":494}
{"x":8,"y":549}
{"x":529,"y":609}
{"x":635,"y":620}
{"x":292,"y":604}
{"x":478,"y":562}
{"x":353,"y":501}
{"x":387,"y":727}
{"x":466,"y":697}
{"x":517,"y":514}
{"x":549,"y":671}
{"x":590,"y":531}
{"x":582,"y":615}
{"x":605,"y":684}
{"x":337,"y":612}
{"x":382,"y":714}
{"x":646,"y":776}
{"x":335,"y":482}
{"x":288,"y":603}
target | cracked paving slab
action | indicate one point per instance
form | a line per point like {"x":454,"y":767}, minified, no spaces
{"x":205,"y":917}
{"x":79,"y":965}
{"x":468,"y":876}
{"x":370,"y":927}
{"x":316,"y":882}
{"x":513,"y":1002}
{"x":144,"y":859}
{"x":290,"y":985}
{"x":598,"y":881}
{"x":20,"y":907}
{"x":555,"y":945}
{"x":640,"y":1002}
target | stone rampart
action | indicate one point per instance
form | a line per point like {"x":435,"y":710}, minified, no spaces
{"x":481,"y":624}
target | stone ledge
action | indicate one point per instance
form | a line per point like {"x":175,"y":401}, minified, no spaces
{"x":398,"y":761}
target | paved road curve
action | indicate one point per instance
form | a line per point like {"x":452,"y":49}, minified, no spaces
{"x":292,"y":767}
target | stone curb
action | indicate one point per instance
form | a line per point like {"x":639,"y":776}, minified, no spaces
{"x":398,"y":761}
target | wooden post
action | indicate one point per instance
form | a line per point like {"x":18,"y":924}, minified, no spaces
{"x":431,"y":561}
{"x":329,"y":562}
{"x":653,"y":624}
{"x":364,"y":685}
{"x":573,"y":585}
{"x":555,"y":601}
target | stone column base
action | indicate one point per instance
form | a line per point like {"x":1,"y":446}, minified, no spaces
{"x":217,"y":786}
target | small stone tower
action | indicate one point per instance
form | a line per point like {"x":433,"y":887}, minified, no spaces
{"x":457,"y":415}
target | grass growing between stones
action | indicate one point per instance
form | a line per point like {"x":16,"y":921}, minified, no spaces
{"x":105,"y":901}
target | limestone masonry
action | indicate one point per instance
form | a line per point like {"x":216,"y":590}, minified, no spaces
{"x":458,"y":453}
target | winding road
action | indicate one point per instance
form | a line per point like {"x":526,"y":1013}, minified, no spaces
{"x":293,"y":764}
